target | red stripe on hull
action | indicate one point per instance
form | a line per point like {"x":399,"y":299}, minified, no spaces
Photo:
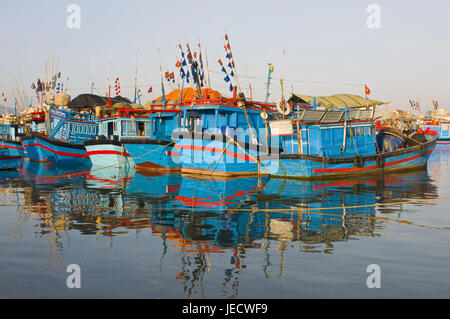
{"x":13,"y":147}
{"x":214,"y":149}
{"x":62,"y":153}
{"x":9,"y":157}
{"x":107,"y":152}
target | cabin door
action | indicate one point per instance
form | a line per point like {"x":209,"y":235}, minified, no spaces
{"x":110,"y":128}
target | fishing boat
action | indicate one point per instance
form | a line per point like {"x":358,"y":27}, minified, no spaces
{"x":441,"y":129}
{"x":11,"y":148}
{"x":437,"y":123}
{"x":67,"y":130}
{"x":222,"y":136}
{"x":131,"y":137}
{"x":340,"y":140}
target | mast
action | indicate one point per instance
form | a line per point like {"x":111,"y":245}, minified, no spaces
{"x":108,"y":83}
{"x":207,"y":68}
{"x":163,"y":96}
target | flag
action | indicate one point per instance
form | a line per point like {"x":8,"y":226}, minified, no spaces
{"x":231,"y":87}
{"x":150,"y":90}
{"x":33,"y":86}
{"x":226,"y":37}
{"x":366,"y":89}
{"x":178,"y":64}
{"x":220,"y":62}
{"x":227,"y":79}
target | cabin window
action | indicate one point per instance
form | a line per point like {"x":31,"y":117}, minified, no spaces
{"x":445,"y":127}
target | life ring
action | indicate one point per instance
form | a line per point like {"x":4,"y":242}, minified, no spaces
{"x":380,"y":162}
{"x":358,"y":161}
{"x":283,"y":107}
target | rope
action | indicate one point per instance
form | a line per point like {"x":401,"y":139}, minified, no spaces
{"x":220,"y":155}
{"x":243,"y":150}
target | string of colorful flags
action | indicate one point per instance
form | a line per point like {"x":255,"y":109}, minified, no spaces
{"x":230,"y":65}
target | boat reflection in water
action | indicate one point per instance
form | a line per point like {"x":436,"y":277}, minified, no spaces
{"x":198,"y":218}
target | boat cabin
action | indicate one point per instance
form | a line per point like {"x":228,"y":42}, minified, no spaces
{"x":8,"y":132}
{"x":230,"y":117}
{"x":134,"y":124}
{"x":325,"y":133}
{"x":72,"y":127}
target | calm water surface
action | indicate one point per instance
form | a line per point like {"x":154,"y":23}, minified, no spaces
{"x":140,"y":236}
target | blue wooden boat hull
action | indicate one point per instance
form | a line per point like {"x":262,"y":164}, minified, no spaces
{"x":315,"y":167}
{"x":32,"y":149}
{"x":218,"y":157}
{"x":443,"y":143}
{"x":108,"y":153}
{"x":442,"y":131}
{"x":59,"y":152}
{"x":143,"y":154}
{"x":11,"y":154}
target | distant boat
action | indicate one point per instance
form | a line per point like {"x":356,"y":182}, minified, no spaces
{"x":441,"y":129}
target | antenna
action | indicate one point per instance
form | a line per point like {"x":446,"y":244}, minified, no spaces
{"x":108,"y":83}
{"x":268,"y":81}
{"x":92,"y":75}
{"x":135,"y":79}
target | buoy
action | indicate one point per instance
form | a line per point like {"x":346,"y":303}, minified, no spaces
{"x":283,"y":107}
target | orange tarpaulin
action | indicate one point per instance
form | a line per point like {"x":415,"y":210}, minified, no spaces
{"x":190,"y":94}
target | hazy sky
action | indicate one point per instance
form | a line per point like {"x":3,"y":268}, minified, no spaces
{"x":329,"y":47}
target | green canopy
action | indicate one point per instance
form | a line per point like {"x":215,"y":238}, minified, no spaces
{"x":337,"y":100}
